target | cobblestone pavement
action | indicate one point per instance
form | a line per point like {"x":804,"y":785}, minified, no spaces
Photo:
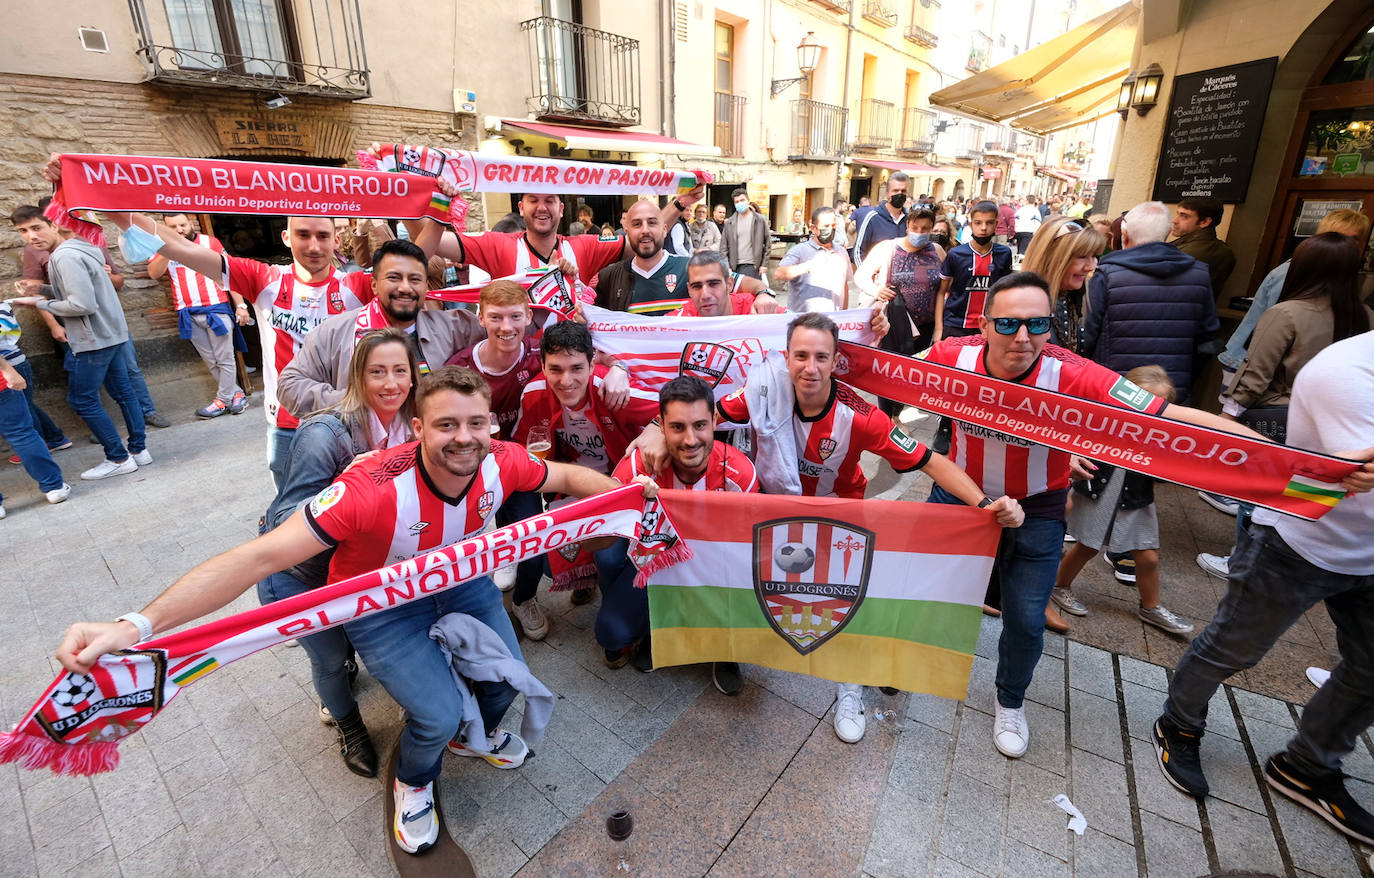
{"x":239,"y":777}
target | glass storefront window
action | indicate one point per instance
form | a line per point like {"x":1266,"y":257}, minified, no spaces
{"x":1356,"y":63}
{"x":1339,"y":143}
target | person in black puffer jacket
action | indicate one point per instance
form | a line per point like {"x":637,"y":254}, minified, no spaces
{"x":1149,"y":303}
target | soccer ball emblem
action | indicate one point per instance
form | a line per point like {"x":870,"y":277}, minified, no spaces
{"x":794,"y":557}
{"x":698,"y":357}
{"x":411,"y":156}
{"x":74,"y":690}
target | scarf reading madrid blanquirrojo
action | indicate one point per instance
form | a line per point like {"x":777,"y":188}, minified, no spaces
{"x":75,"y":727}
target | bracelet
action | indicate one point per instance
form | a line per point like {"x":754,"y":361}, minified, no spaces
{"x":139,"y":621}
{"x":240,"y":307}
{"x":681,"y":208}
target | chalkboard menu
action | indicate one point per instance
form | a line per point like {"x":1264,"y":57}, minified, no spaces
{"x":1213,"y":129}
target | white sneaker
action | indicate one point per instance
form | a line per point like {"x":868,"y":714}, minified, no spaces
{"x":1010,"y":732}
{"x":1217,"y":565}
{"x":910,"y":415}
{"x":57,"y":495}
{"x":532,"y":619}
{"x":2,"y":512}
{"x":325,"y":716}
{"x":505,"y":577}
{"x":416,"y":825}
{"x":1316,"y":676}
{"x":107,"y":468}
{"x":849,"y":713}
{"x":143,"y":458}
{"x":503,"y":749}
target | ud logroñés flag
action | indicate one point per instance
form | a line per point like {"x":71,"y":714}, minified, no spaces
{"x":857,"y":591}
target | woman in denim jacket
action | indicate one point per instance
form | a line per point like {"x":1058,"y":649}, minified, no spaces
{"x":375,"y":413}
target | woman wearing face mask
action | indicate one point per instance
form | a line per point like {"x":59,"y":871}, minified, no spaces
{"x":1064,"y":252}
{"x":905,"y":273}
{"x":942,"y":233}
{"x":375,"y":413}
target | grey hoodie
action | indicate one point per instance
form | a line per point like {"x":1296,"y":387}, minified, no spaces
{"x":85,"y":298}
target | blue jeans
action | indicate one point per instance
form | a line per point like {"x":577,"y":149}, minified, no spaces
{"x":624,"y":614}
{"x":51,"y":433}
{"x":278,"y":453}
{"x":145,"y":400}
{"x":328,"y":650}
{"x":86,"y":373}
{"x":1027,"y":561}
{"x":395,"y":645}
{"x":519,"y":506}
{"x":1269,"y":589}
{"x":16,"y":426}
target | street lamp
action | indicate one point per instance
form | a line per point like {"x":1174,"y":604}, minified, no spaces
{"x":808,"y":57}
{"x":1145,"y":91}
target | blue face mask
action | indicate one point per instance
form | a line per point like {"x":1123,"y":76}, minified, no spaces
{"x":138,"y":245}
{"x":918,"y":241}
{"x":741,"y":207}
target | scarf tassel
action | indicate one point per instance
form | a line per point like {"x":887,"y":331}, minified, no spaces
{"x":74,"y":221}
{"x":662,"y":561}
{"x":83,"y":760}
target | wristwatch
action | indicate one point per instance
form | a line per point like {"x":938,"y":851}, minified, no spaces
{"x":139,"y":621}
{"x":681,"y":208}
{"x":985,"y":503}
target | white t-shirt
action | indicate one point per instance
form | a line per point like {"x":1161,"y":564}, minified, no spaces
{"x":1333,"y":410}
{"x":1027,"y":218}
{"x":579,"y":432}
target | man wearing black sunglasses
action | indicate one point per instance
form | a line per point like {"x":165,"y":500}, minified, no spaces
{"x":1013,"y":346}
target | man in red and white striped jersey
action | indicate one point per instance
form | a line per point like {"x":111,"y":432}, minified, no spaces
{"x":441,"y":488}
{"x":290,"y":301}
{"x":832,"y":425}
{"x":205,"y":317}
{"x":1012,"y":345}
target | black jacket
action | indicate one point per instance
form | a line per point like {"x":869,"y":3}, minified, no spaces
{"x":1150,"y":305}
{"x":615,"y":286}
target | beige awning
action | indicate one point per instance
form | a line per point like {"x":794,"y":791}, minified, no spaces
{"x":1074,"y":77}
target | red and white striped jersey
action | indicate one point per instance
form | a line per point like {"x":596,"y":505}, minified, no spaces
{"x":727,"y":469}
{"x":386,"y":509}
{"x":191,"y":289}
{"x":830,"y":443}
{"x":288,"y":308}
{"x":1019,"y":468}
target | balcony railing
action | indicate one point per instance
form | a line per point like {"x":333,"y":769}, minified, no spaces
{"x":1001,"y":140}
{"x":270,"y":45}
{"x":578,"y":73}
{"x":730,"y":124}
{"x":918,"y":131}
{"x":980,"y":46}
{"x":835,"y":5}
{"x":921,"y":37}
{"x":875,"y":124}
{"x":1029,"y":144}
{"x":817,"y":131}
{"x":880,"y":12}
{"x":971,"y":141}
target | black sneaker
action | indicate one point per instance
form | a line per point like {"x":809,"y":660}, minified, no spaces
{"x":582,"y":596}
{"x":643,"y":658}
{"x":888,"y":690}
{"x":1179,"y":758}
{"x":1327,"y":797}
{"x":725,"y":676}
{"x":1123,"y":566}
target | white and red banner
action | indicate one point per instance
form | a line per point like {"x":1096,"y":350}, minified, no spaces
{"x":720,"y":350}
{"x":76,"y":725}
{"x":1285,"y":479}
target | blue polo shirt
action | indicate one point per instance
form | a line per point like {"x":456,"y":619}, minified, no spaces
{"x":882,"y":227}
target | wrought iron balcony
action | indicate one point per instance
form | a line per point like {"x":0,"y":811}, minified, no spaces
{"x":880,"y":13}
{"x":971,"y":142}
{"x":918,"y":131}
{"x":1029,"y":144}
{"x":875,"y":124}
{"x":578,"y":73}
{"x":277,"y":46}
{"x":817,"y":131}
{"x":921,"y":37}
{"x":730,"y":124}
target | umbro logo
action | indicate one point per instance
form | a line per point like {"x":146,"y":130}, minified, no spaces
{"x":418,"y":526}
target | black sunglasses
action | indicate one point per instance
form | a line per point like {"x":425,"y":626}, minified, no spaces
{"x":1010,"y":325}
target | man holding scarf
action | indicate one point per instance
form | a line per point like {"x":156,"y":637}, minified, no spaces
{"x":584,"y":430}
{"x":1012,"y":345}
{"x":205,"y":317}
{"x":452,"y":470}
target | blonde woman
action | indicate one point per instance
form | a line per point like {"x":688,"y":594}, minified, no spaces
{"x":1064,"y":252}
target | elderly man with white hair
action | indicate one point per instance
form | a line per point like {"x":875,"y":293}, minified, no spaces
{"x":1149,"y":303}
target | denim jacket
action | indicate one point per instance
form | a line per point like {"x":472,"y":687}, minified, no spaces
{"x":1265,"y":296}
{"x":322,"y":447}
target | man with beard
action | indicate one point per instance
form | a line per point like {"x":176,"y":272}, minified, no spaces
{"x":505,"y":253}
{"x":653,"y":282}
{"x":365,"y":516}
{"x":318,"y":375}
{"x":205,"y":317}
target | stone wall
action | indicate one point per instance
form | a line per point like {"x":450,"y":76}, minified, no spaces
{"x":41,"y":114}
